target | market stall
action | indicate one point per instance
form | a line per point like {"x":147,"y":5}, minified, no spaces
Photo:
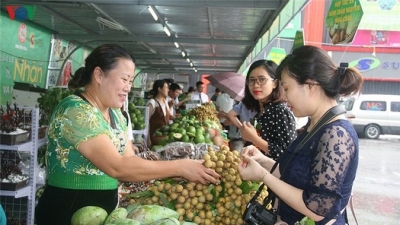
{"x":197,"y":135}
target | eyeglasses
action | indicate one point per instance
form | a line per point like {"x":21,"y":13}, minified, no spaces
{"x":260,"y":81}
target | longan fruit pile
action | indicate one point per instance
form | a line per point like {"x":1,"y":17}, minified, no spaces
{"x":224,"y":203}
{"x":205,"y":112}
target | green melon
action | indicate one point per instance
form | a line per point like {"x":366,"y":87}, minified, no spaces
{"x":118,"y":213}
{"x":147,"y":214}
{"x":89,"y":215}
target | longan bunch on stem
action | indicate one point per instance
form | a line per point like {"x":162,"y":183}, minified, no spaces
{"x":205,"y":112}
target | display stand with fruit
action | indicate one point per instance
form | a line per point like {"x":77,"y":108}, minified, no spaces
{"x":174,"y":201}
{"x":201,"y":125}
{"x":140,"y":116}
{"x":178,"y":201}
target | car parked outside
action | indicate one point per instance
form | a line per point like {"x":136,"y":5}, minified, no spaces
{"x":373,"y":115}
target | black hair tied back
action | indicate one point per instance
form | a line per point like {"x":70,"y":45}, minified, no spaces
{"x":79,"y":79}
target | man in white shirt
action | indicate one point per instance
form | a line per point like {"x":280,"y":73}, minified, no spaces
{"x":199,"y":95}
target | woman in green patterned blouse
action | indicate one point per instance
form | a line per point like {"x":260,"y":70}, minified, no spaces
{"x":88,"y":149}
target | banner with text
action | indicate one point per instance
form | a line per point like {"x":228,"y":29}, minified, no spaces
{"x":24,"y":51}
{"x":343,"y":19}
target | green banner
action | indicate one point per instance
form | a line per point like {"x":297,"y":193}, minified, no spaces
{"x":298,"y":39}
{"x":276,"y":55}
{"x":6,"y":85}
{"x":24,"y":51}
{"x":343,"y":19}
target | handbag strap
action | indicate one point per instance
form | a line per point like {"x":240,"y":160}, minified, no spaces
{"x":328,"y":116}
{"x":352,"y":208}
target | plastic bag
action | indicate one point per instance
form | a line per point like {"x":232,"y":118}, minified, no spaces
{"x":24,"y":167}
{"x":182,"y":150}
{"x":177,"y":150}
{"x":41,"y":176}
{"x":202,"y":149}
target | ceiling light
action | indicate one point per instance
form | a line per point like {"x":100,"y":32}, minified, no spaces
{"x":188,"y":59}
{"x":109,"y":24}
{"x":176,"y":44}
{"x":191,"y":64}
{"x":153,"y":13}
{"x":195,"y":70}
{"x":167,"y":31}
{"x":183,"y":54}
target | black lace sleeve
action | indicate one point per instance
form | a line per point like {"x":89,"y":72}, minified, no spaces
{"x":330,"y":172}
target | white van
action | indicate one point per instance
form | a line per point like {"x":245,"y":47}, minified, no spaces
{"x":373,"y":115}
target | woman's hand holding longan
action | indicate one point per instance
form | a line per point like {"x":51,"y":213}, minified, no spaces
{"x":254,"y":153}
{"x":249,"y":169}
{"x":193,"y":170}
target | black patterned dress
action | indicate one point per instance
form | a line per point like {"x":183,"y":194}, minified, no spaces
{"x":277,"y":127}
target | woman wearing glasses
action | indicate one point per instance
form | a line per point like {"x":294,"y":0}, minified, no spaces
{"x":315,"y":175}
{"x":274,"y":121}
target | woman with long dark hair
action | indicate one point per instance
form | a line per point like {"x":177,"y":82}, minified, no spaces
{"x":274,"y":121}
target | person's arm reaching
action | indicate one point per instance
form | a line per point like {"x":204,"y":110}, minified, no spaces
{"x":102,"y":153}
{"x":232,"y":117}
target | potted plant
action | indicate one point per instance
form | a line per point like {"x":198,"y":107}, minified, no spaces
{"x":11,"y":119}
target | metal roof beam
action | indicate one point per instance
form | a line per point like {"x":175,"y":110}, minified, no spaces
{"x":266,"y":4}
{"x":147,"y":39}
{"x":184,"y":67}
{"x":192,"y":57}
{"x":62,"y":17}
{"x":186,"y":71}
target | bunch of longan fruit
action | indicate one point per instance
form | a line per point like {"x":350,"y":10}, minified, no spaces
{"x":224,"y":203}
{"x":205,"y":112}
